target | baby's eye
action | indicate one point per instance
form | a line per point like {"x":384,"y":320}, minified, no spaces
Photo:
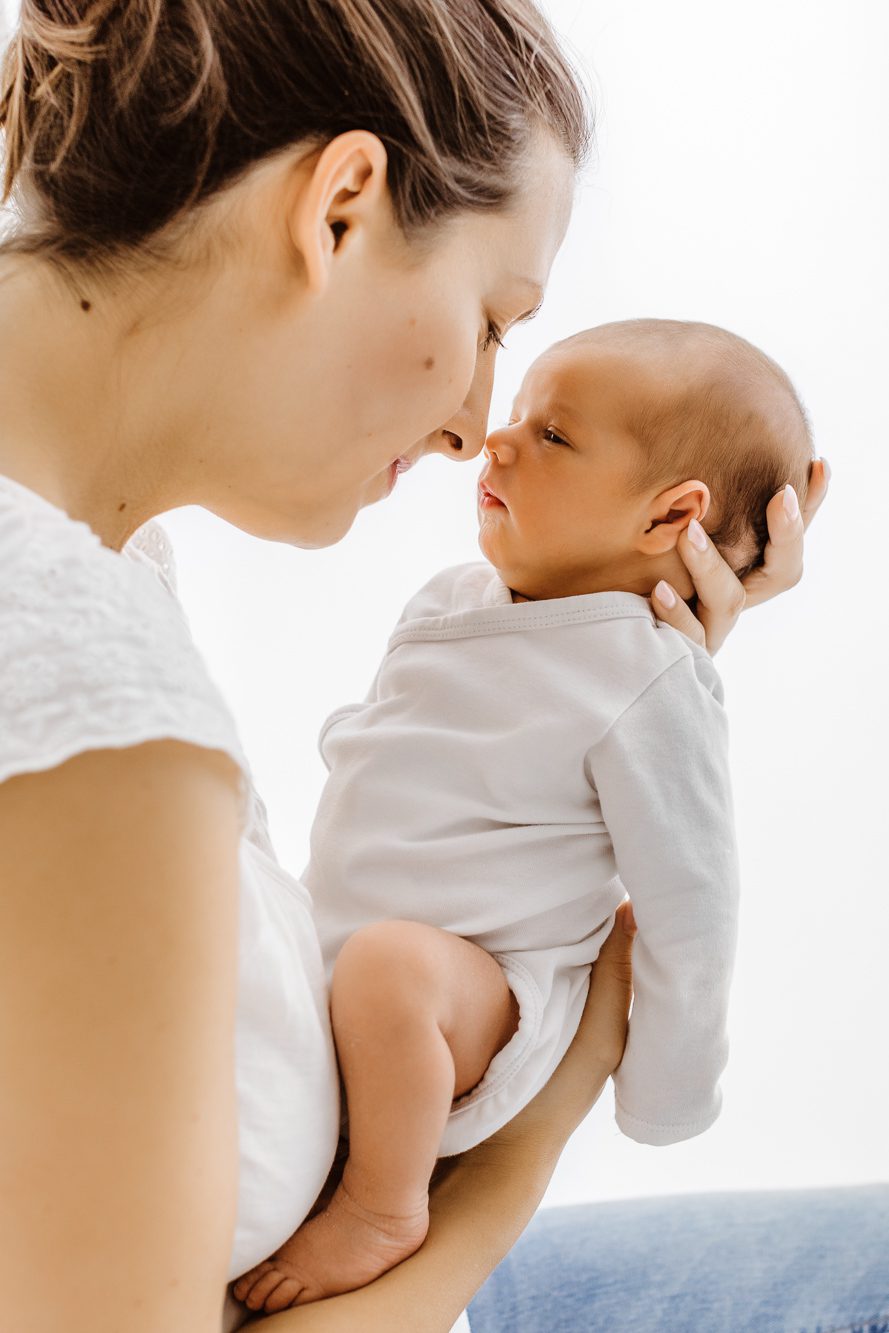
{"x":552,"y":438}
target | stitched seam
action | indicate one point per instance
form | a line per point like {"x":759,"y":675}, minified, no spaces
{"x":674,"y":666}
{"x":661,"y":1124}
{"x":504,"y":625}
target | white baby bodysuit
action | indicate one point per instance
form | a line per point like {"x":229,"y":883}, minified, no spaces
{"x":515,"y":769}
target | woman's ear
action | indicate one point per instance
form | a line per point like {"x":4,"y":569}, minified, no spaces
{"x":670,"y":513}
{"x":336,"y":192}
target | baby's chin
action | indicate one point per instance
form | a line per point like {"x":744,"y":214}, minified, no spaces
{"x":535,"y":585}
{"x":522,"y":584}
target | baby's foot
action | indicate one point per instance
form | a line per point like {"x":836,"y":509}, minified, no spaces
{"x":341,"y":1248}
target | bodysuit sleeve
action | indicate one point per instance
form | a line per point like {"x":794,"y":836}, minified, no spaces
{"x":661,"y":775}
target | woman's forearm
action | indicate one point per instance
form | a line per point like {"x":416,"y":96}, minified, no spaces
{"x":482,"y":1201}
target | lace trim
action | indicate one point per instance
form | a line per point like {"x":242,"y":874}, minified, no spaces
{"x":96,"y":650}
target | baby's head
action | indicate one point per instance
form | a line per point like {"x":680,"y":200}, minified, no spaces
{"x":619,"y":437}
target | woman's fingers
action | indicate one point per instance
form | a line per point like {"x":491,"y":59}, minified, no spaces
{"x":603,"y":1028}
{"x":595,"y":1052}
{"x":819,"y":482}
{"x":670,"y":607}
{"x":782,"y":567}
{"x":720,"y":596}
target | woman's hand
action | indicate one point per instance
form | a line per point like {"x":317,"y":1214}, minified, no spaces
{"x":720,"y":596}
{"x":594,"y":1054}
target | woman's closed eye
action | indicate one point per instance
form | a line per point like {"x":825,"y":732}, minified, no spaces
{"x":494,"y":335}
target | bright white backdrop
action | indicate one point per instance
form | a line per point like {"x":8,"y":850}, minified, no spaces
{"x":741,"y":179}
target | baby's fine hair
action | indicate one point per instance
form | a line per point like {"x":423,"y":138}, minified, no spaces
{"x":724,"y":413}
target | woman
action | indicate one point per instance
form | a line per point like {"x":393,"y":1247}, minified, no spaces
{"x":262,"y":260}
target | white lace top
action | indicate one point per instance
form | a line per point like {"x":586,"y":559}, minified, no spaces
{"x":96,"y":653}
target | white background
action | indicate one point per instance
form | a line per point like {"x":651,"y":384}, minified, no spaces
{"x":741,"y":179}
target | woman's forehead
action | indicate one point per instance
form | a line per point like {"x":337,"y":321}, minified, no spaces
{"x":519,"y":242}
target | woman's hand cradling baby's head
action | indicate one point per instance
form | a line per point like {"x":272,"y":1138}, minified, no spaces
{"x":721,"y":597}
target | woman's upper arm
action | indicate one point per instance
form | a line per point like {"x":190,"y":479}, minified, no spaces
{"x":118,"y":973}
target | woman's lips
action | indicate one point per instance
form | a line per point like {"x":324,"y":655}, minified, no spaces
{"x":487,"y":499}
{"x":395,"y":470}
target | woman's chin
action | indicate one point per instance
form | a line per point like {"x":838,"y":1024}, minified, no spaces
{"x":336,"y":519}
{"x":320,"y":530}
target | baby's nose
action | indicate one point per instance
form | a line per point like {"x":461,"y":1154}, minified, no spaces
{"x":500,"y":447}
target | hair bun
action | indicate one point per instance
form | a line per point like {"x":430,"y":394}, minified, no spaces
{"x":44,"y":87}
{"x":120,"y":115}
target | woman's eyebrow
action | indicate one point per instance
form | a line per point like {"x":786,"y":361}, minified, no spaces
{"x":536,"y":289}
{"x":529,"y":314}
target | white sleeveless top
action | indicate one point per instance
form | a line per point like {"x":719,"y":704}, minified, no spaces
{"x":96,"y":653}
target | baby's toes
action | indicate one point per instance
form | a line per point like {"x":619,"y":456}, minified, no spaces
{"x":263,"y":1288}
{"x":246,"y":1280}
{"x":284,"y":1296}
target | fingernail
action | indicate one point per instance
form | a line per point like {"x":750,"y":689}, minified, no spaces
{"x":791,"y":503}
{"x":697,"y":536}
{"x":827,"y":472}
{"x":665,"y":594}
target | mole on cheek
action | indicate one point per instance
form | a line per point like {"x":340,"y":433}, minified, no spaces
{"x":429,"y":362}
{"x":121,"y":507}
{"x":86,"y":305}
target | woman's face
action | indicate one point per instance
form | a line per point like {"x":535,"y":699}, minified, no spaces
{"x":377,"y":351}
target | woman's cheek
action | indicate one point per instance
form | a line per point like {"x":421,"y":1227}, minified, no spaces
{"x":422,"y":373}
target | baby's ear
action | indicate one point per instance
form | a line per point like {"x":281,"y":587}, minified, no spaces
{"x":670,"y":513}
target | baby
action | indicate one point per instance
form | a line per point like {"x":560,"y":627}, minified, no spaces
{"x":536,"y":745}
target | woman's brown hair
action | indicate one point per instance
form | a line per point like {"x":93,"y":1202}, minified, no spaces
{"x":122,"y":115}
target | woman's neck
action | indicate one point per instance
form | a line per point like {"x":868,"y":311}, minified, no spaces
{"x":80,"y":423}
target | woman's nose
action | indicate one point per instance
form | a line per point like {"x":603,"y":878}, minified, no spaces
{"x":463,"y":436}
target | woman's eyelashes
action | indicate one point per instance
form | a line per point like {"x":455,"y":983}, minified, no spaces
{"x":493,"y":336}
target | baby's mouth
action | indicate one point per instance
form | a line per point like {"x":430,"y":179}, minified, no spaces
{"x":487,"y":498}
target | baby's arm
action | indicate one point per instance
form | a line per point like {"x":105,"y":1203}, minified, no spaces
{"x":418,"y":1014}
{"x":661,"y":774}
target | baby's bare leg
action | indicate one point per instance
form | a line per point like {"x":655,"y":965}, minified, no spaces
{"x":418,"y":1015}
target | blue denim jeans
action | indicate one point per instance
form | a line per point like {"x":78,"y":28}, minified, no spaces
{"x":794,"y":1261}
